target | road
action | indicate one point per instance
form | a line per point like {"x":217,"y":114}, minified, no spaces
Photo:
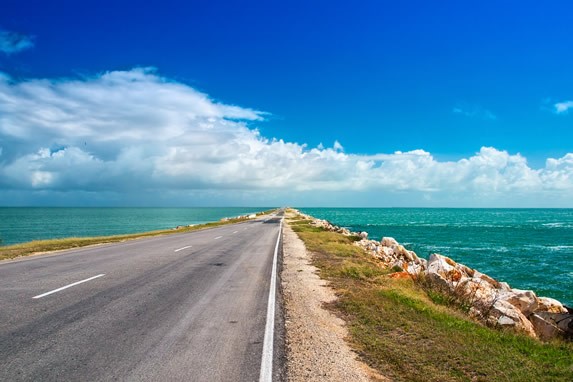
{"x":181,"y":307}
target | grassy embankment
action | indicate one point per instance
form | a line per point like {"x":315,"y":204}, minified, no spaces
{"x":398,"y":330}
{"x":42,"y":246}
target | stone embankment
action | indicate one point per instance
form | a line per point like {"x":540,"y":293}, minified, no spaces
{"x":240,"y":217}
{"x":488,"y":300}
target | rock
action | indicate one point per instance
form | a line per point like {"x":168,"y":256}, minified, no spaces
{"x":386,"y":251}
{"x":504,"y":314}
{"x":547,"y":304}
{"x":413,"y":268}
{"x":544,"y":328}
{"x":445,"y":271}
{"x":389,"y":242}
{"x":563,"y":321}
{"x":524,"y":300}
{"x":490,"y":280}
{"x":363,"y":235}
{"x":402,"y":252}
{"x":478,"y":292}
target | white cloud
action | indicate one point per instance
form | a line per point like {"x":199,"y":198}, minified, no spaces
{"x":563,"y":107}
{"x":137,"y":134}
{"x":13,"y":42}
{"x":473,"y":111}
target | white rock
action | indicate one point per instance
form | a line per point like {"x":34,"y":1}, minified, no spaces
{"x":505,"y":314}
{"x":547,"y":304}
{"x":478,"y":292}
{"x":442,"y":271}
{"x":389,"y":242}
{"x":386,"y":251}
{"x":524,"y":300}
{"x":413,"y":268}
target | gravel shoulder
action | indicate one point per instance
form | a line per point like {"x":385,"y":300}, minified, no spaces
{"x":315,"y":345}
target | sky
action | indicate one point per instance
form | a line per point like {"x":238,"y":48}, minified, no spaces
{"x":300,"y":103}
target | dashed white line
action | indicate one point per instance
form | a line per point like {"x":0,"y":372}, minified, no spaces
{"x":235,"y":232}
{"x":67,"y":286}
{"x":218,"y":237}
{"x":182,"y":248}
{"x":266,"y":374}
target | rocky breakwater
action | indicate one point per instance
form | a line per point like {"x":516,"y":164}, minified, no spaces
{"x":486,"y":299}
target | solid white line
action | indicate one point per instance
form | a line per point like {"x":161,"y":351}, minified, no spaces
{"x":218,"y":237}
{"x":67,"y":286}
{"x":182,"y":248}
{"x":266,"y":374}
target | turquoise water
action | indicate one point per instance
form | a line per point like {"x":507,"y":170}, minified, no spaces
{"x":18,"y":225}
{"x":528,"y":248}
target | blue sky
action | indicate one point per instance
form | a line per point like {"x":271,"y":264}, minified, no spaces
{"x":313,"y":103}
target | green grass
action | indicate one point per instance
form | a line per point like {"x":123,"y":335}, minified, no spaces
{"x":41,"y":246}
{"x":407,"y":335}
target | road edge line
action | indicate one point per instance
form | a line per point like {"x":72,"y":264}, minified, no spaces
{"x":266,"y":374}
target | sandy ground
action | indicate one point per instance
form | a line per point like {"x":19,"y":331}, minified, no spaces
{"x":316,"y":350}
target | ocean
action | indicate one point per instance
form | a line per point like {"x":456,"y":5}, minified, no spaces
{"x":19,"y":225}
{"x":527,"y":248}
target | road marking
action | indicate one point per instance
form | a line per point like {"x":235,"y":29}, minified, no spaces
{"x":182,"y":248}
{"x":266,"y":374}
{"x":235,"y":232}
{"x":218,"y":237}
{"x":67,"y":286}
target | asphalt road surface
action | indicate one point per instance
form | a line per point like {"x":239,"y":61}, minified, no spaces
{"x":182,"y":307}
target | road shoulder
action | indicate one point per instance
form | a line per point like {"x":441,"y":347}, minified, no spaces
{"x":315,"y":345}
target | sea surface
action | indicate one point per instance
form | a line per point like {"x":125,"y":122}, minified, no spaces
{"x":527,"y":248}
{"x":19,"y":225}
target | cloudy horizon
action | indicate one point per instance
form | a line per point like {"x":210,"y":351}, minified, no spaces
{"x":134,"y":137}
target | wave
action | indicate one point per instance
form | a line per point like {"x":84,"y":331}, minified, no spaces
{"x":557,"y":225}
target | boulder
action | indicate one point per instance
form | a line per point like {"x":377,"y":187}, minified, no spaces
{"x":386,"y":251}
{"x":547,"y":304}
{"x":504,"y":314}
{"x":563,"y":321}
{"x":524,"y":300}
{"x":478,"y":292}
{"x":389,"y":242}
{"x":363,"y":235}
{"x":402,"y":252}
{"x":413,"y":268}
{"x":545,"y":328}
{"x":445,"y":271}
{"x":490,"y":280}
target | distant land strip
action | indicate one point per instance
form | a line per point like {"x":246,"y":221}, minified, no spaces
{"x":38,"y":247}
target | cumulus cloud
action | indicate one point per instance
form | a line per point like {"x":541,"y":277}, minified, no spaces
{"x":13,"y":42}
{"x":563,"y":107}
{"x":135,"y":132}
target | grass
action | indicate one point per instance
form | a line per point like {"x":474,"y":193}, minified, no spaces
{"x":407,"y":335}
{"x":42,"y":246}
